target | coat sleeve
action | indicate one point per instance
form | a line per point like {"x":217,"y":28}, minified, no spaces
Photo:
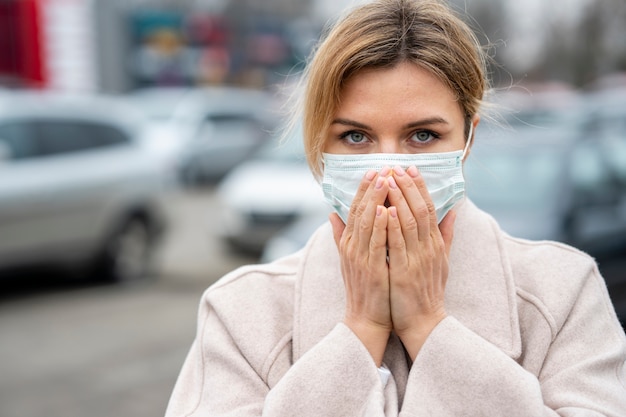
{"x":337,"y":377}
{"x":458,"y":373}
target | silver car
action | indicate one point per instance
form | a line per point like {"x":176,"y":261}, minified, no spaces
{"x":268,"y":193}
{"x":205,"y":132}
{"x":76,"y":189}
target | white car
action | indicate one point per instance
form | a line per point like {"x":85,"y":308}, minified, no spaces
{"x":204,"y":132}
{"x":267,"y":193}
{"x":76,"y":188}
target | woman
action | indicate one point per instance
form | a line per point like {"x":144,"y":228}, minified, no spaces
{"x":411,"y":301}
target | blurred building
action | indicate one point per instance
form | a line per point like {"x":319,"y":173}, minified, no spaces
{"x":118,"y":45}
{"x":47,"y":44}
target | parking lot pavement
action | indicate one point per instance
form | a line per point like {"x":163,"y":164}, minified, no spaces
{"x":76,"y":350}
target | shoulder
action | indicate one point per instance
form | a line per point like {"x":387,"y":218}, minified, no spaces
{"x":554,"y":259}
{"x":553,"y":275}
{"x":255,"y":292}
{"x":254,"y":304}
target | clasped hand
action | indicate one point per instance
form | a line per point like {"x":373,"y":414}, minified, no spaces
{"x":394,"y":260}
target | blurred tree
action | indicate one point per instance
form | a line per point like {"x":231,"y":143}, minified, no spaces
{"x":588,"y":49}
{"x":488,"y":19}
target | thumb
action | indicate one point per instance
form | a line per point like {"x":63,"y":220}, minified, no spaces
{"x":446,"y":227}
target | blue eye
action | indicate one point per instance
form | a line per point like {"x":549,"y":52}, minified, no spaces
{"x":424,"y":136}
{"x":354,"y":137}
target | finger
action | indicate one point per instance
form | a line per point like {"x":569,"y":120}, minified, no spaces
{"x":378,"y":242}
{"x":408,"y":221}
{"x":429,"y":214}
{"x":395,"y":241}
{"x":350,"y":232}
{"x":366,"y":183}
{"x":447,"y":230}
{"x":366,"y":212}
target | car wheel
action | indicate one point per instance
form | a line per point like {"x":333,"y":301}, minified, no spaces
{"x":128,"y":254}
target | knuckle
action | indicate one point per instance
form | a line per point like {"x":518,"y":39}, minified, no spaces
{"x":377,"y":244}
{"x":430,"y":206}
{"x":438,"y":242}
{"x":396,"y":244}
{"x":423,"y":211}
{"x":363,"y":227}
{"x":411,"y":224}
{"x":394,"y":226}
{"x":409,"y":185}
{"x":357,"y":210}
{"x":350,"y":252}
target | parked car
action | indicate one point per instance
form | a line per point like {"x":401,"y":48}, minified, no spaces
{"x":77,"y":190}
{"x":267,"y":193}
{"x":204,"y":132}
{"x":544,"y":175}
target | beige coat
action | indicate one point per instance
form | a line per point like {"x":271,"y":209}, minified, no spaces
{"x":531,"y":332}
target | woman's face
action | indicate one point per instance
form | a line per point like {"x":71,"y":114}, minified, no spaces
{"x":403,"y":109}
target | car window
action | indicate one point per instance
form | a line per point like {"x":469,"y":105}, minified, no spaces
{"x":18,"y":140}
{"x":58,"y":137}
{"x":232,"y":125}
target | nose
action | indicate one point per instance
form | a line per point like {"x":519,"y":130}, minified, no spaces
{"x":389,"y":145}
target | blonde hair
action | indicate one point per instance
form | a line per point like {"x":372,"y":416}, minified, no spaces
{"x":382,"y":34}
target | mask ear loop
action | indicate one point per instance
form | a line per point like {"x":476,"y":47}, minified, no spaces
{"x":468,"y":142}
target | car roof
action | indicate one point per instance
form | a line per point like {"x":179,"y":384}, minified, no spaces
{"x":194,"y":103}
{"x":94,"y":107}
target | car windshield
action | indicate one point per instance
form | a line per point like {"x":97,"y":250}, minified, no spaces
{"x":523,"y":179}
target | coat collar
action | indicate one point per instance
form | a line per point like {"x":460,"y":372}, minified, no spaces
{"x":480,"y":291}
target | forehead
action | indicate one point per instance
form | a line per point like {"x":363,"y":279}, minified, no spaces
{"x":404,"y":89}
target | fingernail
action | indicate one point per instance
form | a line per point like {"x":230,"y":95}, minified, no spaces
{"x":385,"y":171}
{"x":413,"y":172}
{"x":379,"y":211}
{"x":398,"y":170}
{"x":369,"y":175}
{"x":379,"y":182}
{"x":392,"y":182}
{"x":393,"y":211}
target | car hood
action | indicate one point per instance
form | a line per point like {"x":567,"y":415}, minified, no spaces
{"x":277,"y":187}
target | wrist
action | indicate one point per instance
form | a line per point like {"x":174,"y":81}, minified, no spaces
{"x":373,"y":336}
{"x":413,"y":338}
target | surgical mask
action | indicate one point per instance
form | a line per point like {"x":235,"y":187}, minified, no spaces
{"x":442,"y":173}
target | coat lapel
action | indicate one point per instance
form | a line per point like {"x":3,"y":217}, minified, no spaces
{"x":480,"y":291}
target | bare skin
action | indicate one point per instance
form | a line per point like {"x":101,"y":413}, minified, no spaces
{"x":399,"y":110}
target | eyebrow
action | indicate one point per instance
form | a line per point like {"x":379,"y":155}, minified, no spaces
{"x":417,"y":123}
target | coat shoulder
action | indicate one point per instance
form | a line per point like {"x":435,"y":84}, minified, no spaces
{"x":255,"y":304}
{"x":551,"y":273}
